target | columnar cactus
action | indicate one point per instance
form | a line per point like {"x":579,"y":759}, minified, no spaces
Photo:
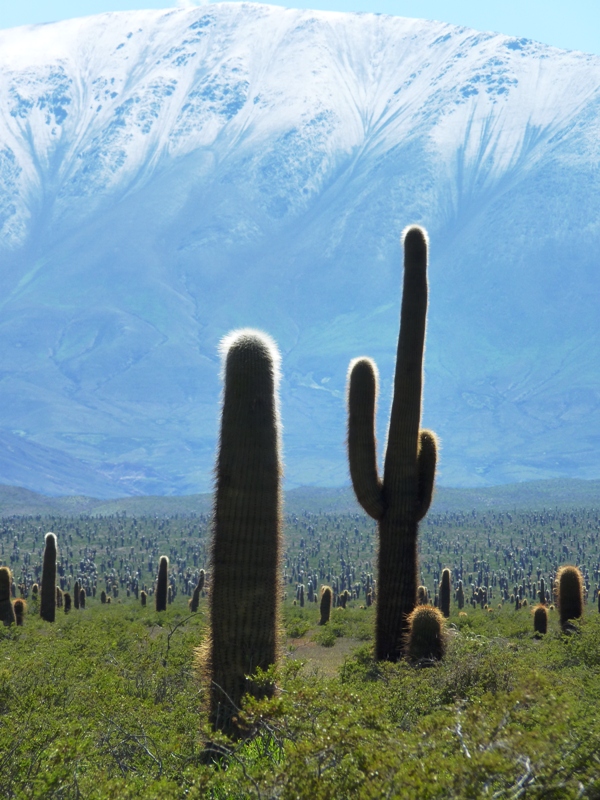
{"x":162,"y":584}
{"x":540,"y":619}
{"x":76,"y":594}
{"x":143,"y":598}
{"x":48,"y":593}
{"x":402,"y":498}
{"x":7,"y":613}
{"x":445,"y":593}
{"x":20,"y":607}
{"x":542,"y":594}
{"x":245,"y":583}
{"x":67,"y":601}
{"x":326,"y":603}
{"x":460,"y":596}
{"x":569,"y":592}
{"x":425,"y":637}
{"x":422,"y":596}
{"x":82,"y":597}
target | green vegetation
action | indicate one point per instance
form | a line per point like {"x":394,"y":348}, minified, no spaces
{"x":104,"y":702}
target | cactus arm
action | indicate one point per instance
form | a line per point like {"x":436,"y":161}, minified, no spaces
{"x":426,"y":463}
{"x":400,"y":474}
{"x":362,"y":445}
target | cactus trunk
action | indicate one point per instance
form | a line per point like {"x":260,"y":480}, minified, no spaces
{"x":245,"y":582}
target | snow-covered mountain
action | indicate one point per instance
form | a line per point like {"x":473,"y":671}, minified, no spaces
{"x":167,"y":176}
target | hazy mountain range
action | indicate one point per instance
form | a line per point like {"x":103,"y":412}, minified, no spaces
{"x":168,"y":176}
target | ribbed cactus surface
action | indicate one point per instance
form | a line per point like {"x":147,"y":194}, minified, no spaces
{"x":569,"y":592}
{"x":245,"y":583}
{"x":48,"y":593}
{"x":403,"y":496}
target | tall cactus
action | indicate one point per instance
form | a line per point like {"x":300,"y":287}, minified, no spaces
{"x":402,"y":498}
{"x":162,"y":584}
{"x":569,"y":591}
{"x":48,"y":593}
{"x":245,"y":584}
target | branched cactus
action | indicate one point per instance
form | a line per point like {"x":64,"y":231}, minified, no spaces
{"x":7,"y":613}
{"x":569,"y":593}
{"x":162,"y":584}
{"x":245,"y":580}
{"x":326,"y":603}
{"x":540,"y":619}
{"x":195,"y":598}
{"x":425,"y":637}
{"x":402,"y":498}
{"x":48,"y":593}
{"x":445,"y":593}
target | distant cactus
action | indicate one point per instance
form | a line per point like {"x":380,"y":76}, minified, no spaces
{"x":143,"y":598}
{"x":59,"y":597}
{"x":540,"y":619}
{"x":7,"y":613}
{"x":460,"y":596}
{"x":402,"y":498}
{"x":445,"y":593}
{"x":20,"y":608}
{"x":326,"y":603}
{"x":103,"y":596}
{"x":67,"y":601}
{"x":82,"y":598}
{"x":162,"y":584}
{"x":569,"y":593}
{"x":245,"y":578}
{"x":422,"y":596}
{"x":48,"y":598}
{"x":542,"y":592}
{"x":425,"y":638}
{"x":195,"y":598}
{"x":76,"y":594}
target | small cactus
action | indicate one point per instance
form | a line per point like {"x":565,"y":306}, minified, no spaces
{"x":569,"y":593}
{"x":445,"y":593}
{"x":103,"y":596}
{"x":82,"y":598}
{"x":7,"y":613}
{"x":540,"y":619}
{"x":425,"y":638}
{"x":162,"y":584}
{"x":422,"y":596}
{"x":326,"y":603}
{"x":67,"y":601}
{"x":76,"y":594}
{"x":20,"y":607}
{"x":143,"y":598}
{"x":460,"y":596}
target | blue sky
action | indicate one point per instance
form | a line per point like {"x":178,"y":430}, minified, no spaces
{"x":574,"y":25}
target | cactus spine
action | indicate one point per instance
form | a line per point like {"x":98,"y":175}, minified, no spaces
{"x":425,"y":636}
{"x":569,"y":591}
{"x":402,"y":498}
{"x":48,"y":593}
{"x":445,"y":593}
{"x":7,"y":613}
{"x":245,"y":582}
{"x":326,"y":603}
{"x":162,"y":582}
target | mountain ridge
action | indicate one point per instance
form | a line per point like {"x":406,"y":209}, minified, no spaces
{"x":226,"y":185}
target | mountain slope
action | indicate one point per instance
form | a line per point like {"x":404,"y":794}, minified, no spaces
{"x":166,"y":176}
